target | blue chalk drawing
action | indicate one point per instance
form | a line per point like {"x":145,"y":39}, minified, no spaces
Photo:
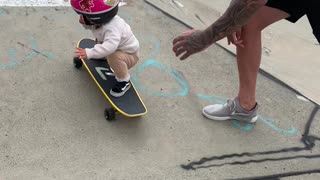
{"x":12,"y":57}
{"x":247,"y":126}
{"x":269,"y":123}
{"x":182,"y":87}
{"x":183,"y":90}
{"x":33,"y":46}
{"x":156,"y":44}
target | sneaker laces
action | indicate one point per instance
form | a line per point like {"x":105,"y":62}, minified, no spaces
{"x":231,"y":104}
{"x":119,"y":85}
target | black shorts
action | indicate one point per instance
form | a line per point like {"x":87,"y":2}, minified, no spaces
{"x":298,"y":8}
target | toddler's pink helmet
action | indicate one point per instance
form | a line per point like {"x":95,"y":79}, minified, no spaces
{"x":97,"y":11}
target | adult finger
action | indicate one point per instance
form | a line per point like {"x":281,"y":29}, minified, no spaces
{"x":177,"y":39}
{"x":188,"y":32}
{"x":239,"y":33}
{"x":234,"y":36}
{"x":178,"y":45}
{"x":180,"y":51}
{"x":239,"y":43}
{"x":185,"y":56}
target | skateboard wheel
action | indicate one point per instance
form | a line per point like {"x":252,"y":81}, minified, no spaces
{"x":77,"y":63}
{"x":109,"y":114}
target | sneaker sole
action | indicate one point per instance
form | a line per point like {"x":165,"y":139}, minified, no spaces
{"x":253,"y":120}
{"x":119,"y":94}
{"x":214,"y":117}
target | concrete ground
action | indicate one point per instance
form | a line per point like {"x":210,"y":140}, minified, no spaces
{"x":51,"y":115}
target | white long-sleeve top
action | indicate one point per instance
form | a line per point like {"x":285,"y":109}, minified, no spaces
{"x":113,"y":36}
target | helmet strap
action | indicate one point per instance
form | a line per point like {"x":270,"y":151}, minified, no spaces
{"x":86,"y":21}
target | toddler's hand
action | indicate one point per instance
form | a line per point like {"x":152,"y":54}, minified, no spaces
{"x":80,"y":53}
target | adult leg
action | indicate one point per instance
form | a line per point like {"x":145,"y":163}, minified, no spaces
{"x":249,"y":57}
{"x":244,"y":107}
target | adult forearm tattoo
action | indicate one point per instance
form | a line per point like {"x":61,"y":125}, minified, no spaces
{"x":237,"y":14}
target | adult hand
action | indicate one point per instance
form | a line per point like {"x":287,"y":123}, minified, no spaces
{"x":189,"y":43}
{"x":235,"y":38}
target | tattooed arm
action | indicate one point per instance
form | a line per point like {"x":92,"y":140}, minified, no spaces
{"x":237,"y":14}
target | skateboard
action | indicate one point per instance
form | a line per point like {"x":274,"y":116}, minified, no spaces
{"x":130,"y":104}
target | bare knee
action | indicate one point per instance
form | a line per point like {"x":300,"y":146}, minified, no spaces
{"x":253,"y":27}
{"x":264,"y":17}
